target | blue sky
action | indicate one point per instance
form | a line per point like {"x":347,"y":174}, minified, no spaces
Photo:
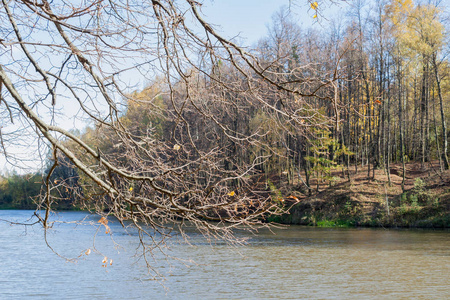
{"x":249,"y":18}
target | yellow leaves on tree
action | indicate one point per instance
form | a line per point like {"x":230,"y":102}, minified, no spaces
{"x":314,"y":6}
{"x":417,"y":27}
{"x":424,"y":32}
{"x":398,"y":10}
{"x":147,"y":108}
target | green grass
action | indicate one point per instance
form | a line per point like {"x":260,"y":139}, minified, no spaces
{"x":335,"y":223}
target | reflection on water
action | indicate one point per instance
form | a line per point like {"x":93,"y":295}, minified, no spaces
{"x":296,"y":263}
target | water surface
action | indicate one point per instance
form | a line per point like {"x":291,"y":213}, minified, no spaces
{"x":295,"y":263}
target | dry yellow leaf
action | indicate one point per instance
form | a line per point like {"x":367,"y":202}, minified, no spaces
{"x":103,"y":221}
{"x":176,"y":147}
{"x":231,"y":194}
{"x":314,"y":5}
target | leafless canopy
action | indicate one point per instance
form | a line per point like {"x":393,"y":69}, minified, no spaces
{"x":79,"y":57}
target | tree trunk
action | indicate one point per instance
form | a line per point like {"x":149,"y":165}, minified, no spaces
{"x":441,"y":104}
{"x":400,"y":118}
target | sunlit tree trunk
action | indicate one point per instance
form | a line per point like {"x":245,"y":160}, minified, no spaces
{"x":441,"y":106}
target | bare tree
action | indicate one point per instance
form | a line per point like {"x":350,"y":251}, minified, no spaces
{"x":59,"y":56}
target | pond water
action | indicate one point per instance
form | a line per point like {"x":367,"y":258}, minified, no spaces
{"x":295,"y":263}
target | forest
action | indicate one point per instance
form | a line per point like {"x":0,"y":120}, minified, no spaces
{"x":373,"y":108}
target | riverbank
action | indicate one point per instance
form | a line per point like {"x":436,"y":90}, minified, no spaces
{"x":362,"y":201}
{"x":371,"y":201}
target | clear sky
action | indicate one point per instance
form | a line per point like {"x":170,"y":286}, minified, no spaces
{"x":249,"y":18}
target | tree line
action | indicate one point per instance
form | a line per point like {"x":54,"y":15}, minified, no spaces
{"x":373,"y":93}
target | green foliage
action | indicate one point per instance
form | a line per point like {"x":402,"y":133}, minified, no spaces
{"x":274,"y":192}
{"x":326,"y":223}
{"x":327,"y":151}
{"x":417,"y":197}
{"x":403,"y":198}
{"x":336,"y":223}
{"x":19,"y":191}
{"x":414,"y":200}
{"x":419,"y":184}
{"x":274,"y":219}
{"x":343,"y":150}
{"x":420,"y":195}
